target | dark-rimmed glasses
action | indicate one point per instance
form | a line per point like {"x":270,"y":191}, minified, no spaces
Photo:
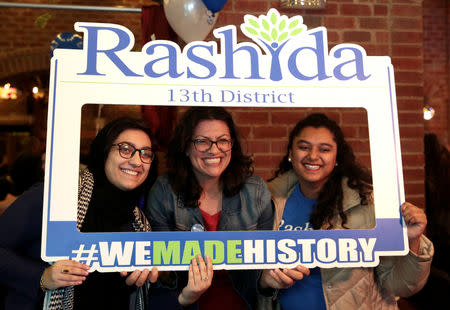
{"x":127,"y":151}
{"x":205,"y":144}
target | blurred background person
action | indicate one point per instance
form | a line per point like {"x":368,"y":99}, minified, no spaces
{"x":25,"y":171}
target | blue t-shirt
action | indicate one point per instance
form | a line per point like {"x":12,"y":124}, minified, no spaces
{"x":306,"y":293}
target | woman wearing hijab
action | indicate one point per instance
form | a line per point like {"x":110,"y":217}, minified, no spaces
{"x":121,"y":168}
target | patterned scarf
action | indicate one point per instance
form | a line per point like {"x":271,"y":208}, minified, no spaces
{"x":62,"y":298}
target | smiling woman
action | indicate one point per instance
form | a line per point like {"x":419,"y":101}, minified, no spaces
{"x":319,"y":185}
{"x":209,"y":186}
{"x":125,"y":170}
{"x":120,"y":170}
{"x":110,"y":189}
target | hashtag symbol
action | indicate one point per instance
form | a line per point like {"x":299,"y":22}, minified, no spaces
{"x":91,"y":254}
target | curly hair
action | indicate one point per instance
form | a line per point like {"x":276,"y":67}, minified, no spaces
{"x":180,"y":172}
{"x":329,"y":203}
{"x":102,"y":143}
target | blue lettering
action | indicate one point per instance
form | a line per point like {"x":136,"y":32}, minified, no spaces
{"x":358,"y":62}
{"x":92,"y":50}
{"x":228,"y":43}
{"x":201,"y":61}
{"x":319,"y":51}
{"x":171,"y":58}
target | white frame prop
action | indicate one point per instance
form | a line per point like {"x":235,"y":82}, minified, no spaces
{"x":296,"y":70}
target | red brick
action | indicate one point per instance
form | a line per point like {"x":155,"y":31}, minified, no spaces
{"x":415,"y":117}
{"x":411,"y":131}
{"x":312,"y":21}
{"x":383,"y":37}
{"x":406,"y":10}
{"x":251,"y":117}
{"x":359,"y":146}
{"x":363,"y":132}
{"x":380,"y":10}
{"x":334,"y":37}
{"x":409,"y":104}
{"x":356,"y":10}
{"x":373,"y":23}
{"x":412,"y":160}
{"x":357,"y":36}
{"x":269,"y":132}
{"x":354,"y":118}
{"x":407,"y":37}
{"x":407,"y":50}
{"x":414,"y":188}
{"x":409,"y":77}
{"x":349,"y":131}
{"x":288,"y":117}
{"x":376,"y":49}
{"x":258,"y":147}
{"x":407,"y":23}
{"x":229,"y":18}
{"x":252,"y":6}
{"x":267,"y":161}
{"x":337,"y":22}
{"x":407,"y":63}
{"x":364,"y":160}
{"x":407,"y":90}
{"x":411,"y":144}
{"x":414,"y":174}
{"x":245,"y":131}
{"x":279,"y":147}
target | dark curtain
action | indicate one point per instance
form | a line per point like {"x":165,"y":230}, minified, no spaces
{"x":160,"y":118}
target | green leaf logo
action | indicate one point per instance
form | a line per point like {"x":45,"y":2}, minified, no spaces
{"x":273,"y":29}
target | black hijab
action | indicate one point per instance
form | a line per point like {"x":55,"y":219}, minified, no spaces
{"x":111,"y":209}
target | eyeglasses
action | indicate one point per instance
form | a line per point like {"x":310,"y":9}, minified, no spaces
{"x":205,"y":144}
{"x":127,"y":151}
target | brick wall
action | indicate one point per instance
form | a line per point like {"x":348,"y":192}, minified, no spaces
{"x":382,"y":27}
{"x":436,"y":14}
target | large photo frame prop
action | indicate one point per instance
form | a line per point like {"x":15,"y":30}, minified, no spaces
{"x":285,"y":66}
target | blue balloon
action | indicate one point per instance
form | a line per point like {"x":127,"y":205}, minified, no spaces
{"x":214,"y":5}
{"x":66,"y":40}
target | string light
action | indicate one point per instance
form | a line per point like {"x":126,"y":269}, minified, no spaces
{"x":428,"y":112}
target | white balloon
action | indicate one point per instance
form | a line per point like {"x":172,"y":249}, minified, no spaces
{"x":190,"y":19}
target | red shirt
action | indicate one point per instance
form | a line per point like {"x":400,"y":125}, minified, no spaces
{"x":221,"y":294}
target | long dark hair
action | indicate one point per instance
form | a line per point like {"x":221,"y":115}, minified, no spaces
{"x":103,"y":142}
{"x":181,"y":175}
{"x":330,"y":198}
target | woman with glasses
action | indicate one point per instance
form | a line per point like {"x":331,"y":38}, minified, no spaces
{"x":121,"y":169}
{"x":209,"y":186}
